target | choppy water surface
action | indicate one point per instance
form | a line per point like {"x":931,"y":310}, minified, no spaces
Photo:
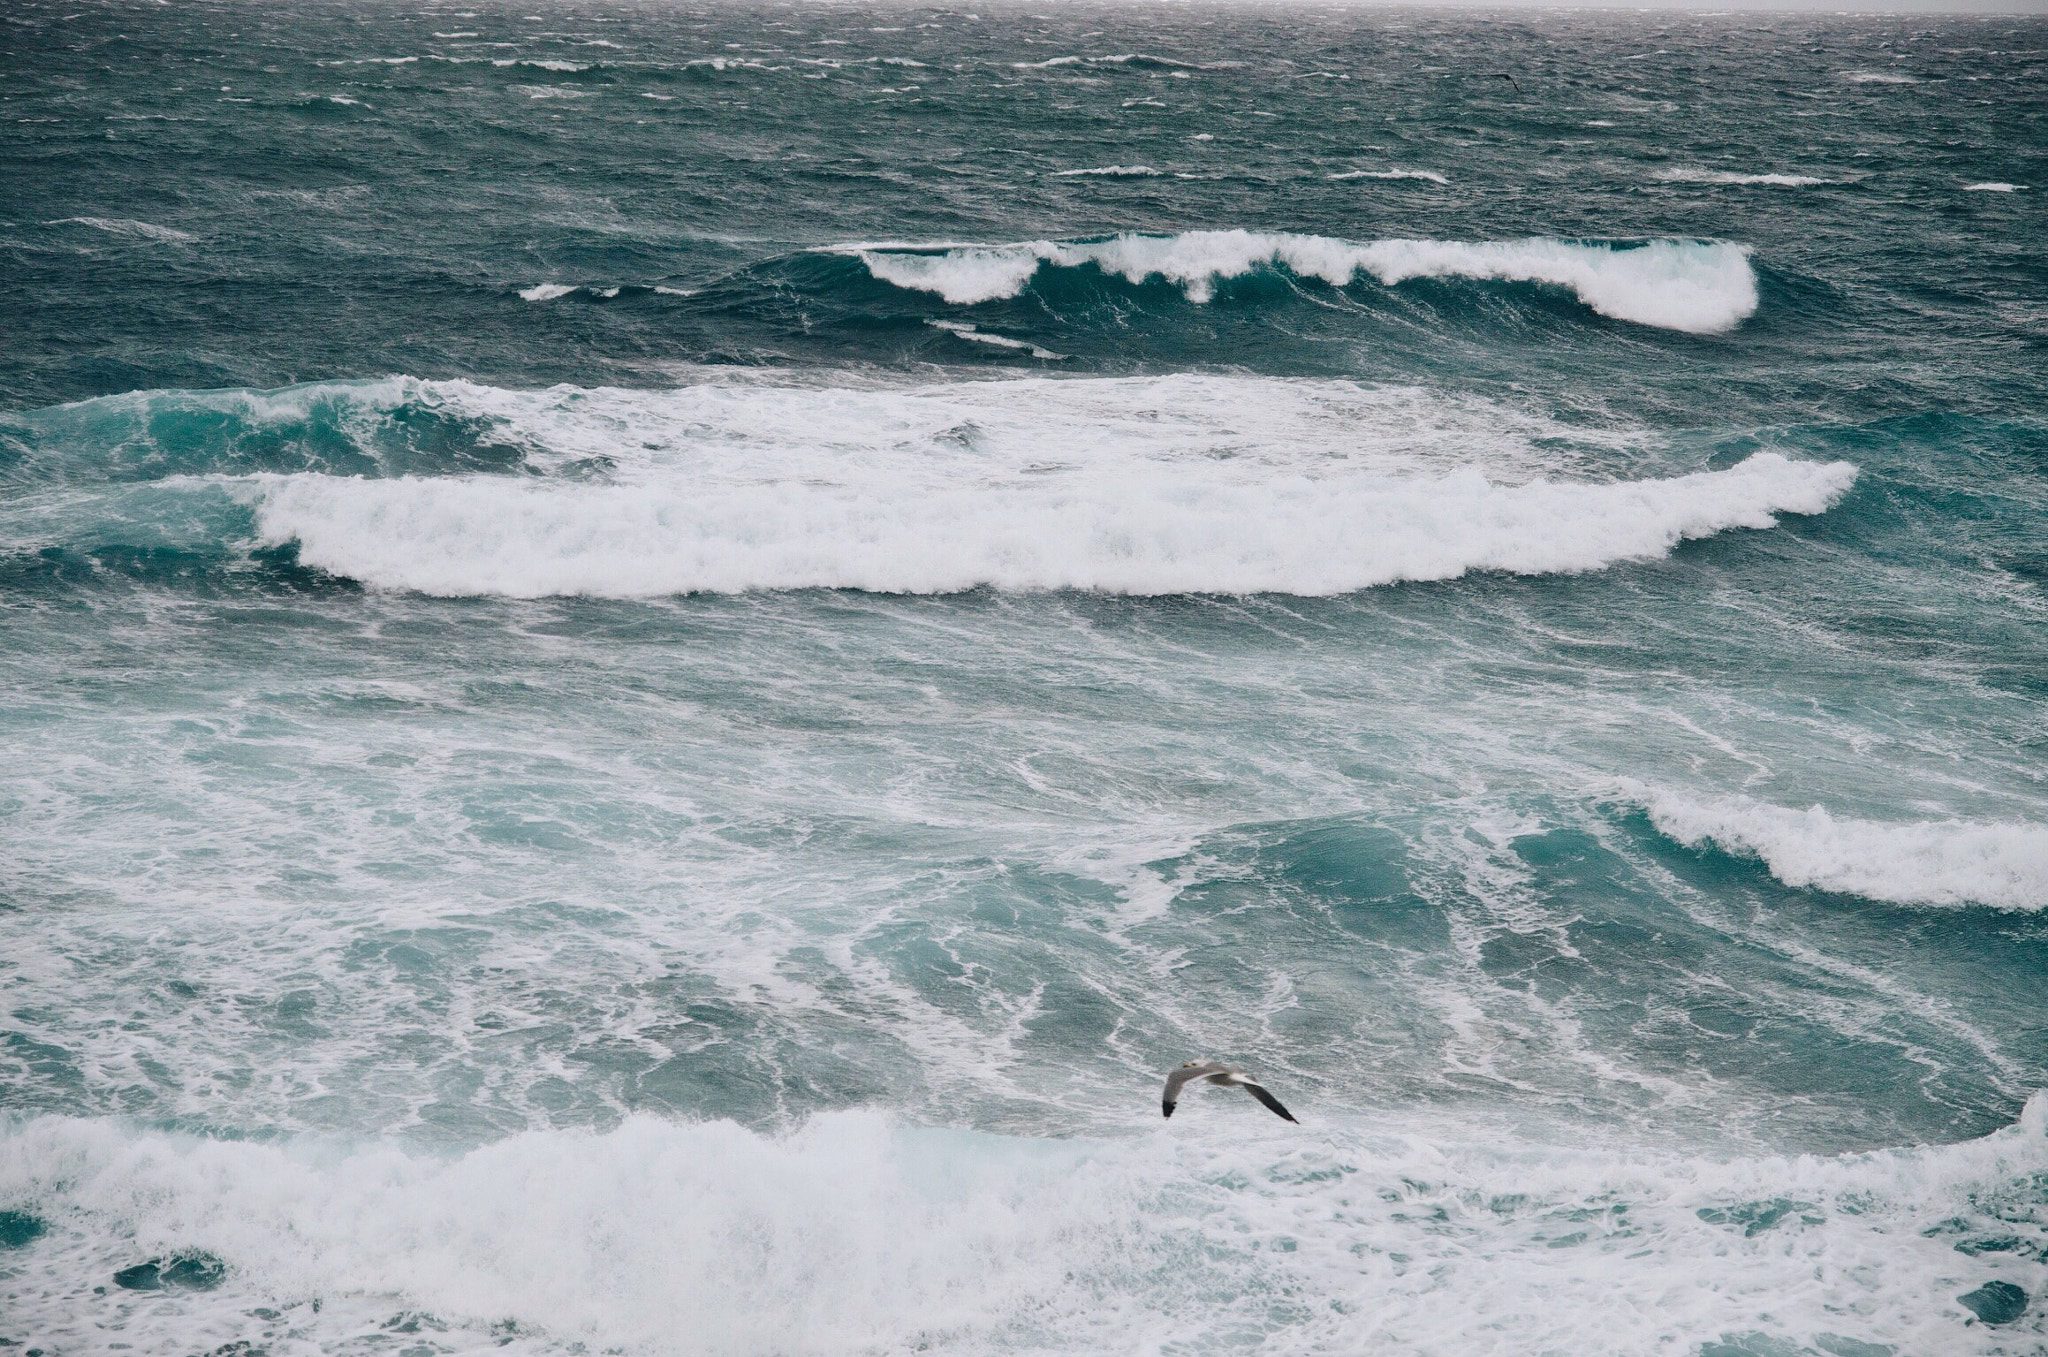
{"x":657,"y":659}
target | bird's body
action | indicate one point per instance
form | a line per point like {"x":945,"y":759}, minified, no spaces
{"x":1213,"y":1072}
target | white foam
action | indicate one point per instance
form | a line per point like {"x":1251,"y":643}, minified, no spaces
{"x":1683,"y":175}
{"x":962,"y":274}
{"x":1928,"y":862}
{"x":1993,"y":188}
{"x":857,"y":1234}
{"x":1431,"y":175}
{"x":546,"y":292}
{"x":1137,"y":486}
{"x":1113,"y":172}
{"x":964,"y":331}
{"x":1878,"y":78}
{"x":1697,"y":286}
{"x":121,"y":226}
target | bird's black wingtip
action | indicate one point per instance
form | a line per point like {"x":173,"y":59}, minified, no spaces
{"x":1166,"y":1109}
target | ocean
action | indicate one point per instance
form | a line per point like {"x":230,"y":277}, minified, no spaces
{"x":658,"y":659}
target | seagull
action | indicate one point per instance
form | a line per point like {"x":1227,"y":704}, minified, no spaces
{"x":1503,"y":75}
{"x":1215,"y":1073}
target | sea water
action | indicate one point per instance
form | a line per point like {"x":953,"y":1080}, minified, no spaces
{"x":659,"y":658}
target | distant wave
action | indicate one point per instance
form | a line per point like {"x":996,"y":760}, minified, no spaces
{"x":1138,"y":59}
{"x":1683,"y":175}
{"x":1431,"y":175}
{"x":1925,"y":862}
{"x":1993,"y":188}
{"x":1697,"y":286}
{"x":1113,"y":172}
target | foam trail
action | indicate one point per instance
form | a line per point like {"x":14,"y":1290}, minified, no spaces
{"x":857,"y":1234}
{"x":1698,"y":286}
{"x":1993,"y":188}
{"x":1121,"y":527}
{"x":1930,"y":862}
{"x":962,"y":330}
{"x":121,"y":226}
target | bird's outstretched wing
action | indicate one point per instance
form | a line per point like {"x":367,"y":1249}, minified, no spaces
{"x":1179,"y":1078}
{"x":1272,"y":1103}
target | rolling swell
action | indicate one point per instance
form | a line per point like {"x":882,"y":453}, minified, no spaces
{"x":1703,"y":287}
{"x":394,"y":427}
{"x":1137,"y":298}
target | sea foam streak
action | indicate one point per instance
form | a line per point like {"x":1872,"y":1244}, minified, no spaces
{"x":858,"y":1234}
{"x":1142,"y":486}
{"x":1698,"y":286}
{"x":1929,"y":862}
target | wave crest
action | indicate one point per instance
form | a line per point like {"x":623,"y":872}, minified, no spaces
{"x":1928,"y":862}
{"x":1697,"y":286}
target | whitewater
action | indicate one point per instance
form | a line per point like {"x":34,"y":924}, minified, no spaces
{"x":658,"y":659}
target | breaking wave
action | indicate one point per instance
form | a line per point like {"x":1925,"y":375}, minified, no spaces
{"x":859,"y":1234}
{"x":945,"y":528}
{"x":1698,"y":286}
{"x":1187,"y":484}
{"x":1928,"y":862}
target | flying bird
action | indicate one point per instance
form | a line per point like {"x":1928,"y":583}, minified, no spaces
{"x":1503,"y":75}
{"x":1214,"y":1073}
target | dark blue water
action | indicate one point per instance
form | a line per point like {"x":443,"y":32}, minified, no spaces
{"x":658,"y":659}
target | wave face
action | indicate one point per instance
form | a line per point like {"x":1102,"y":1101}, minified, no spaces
{"x":1929,"y":862}
{"x":858,"y":1235}
{"x":1140,"y":486}
{"x":1696,"y":286}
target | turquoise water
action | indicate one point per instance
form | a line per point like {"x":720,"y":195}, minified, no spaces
{"x":658,"y":660}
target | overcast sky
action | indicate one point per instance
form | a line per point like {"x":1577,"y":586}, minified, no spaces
{"x":2037,"y":7}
